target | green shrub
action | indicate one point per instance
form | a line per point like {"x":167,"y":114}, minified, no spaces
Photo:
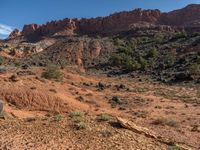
{"x":194,"y":69}
{"x":17,"y":63}
{"x":196,"y":34}
{"x":118,"y":42}
{"x":59,"y":117}
{"x":63,"y":63}
{"x":169,"y":59}
{"x":182,"y":34}
{"x":81,"y":125}
{"x":126,"y":50}
{"x":3,"y":69}
{"x":76,"y":114}
{"x":104,"y":117}
{"x":132,"y":43}
{"x":1,"y":60}
{"x":131,"y":65}
{"x":153,"y":52}
{"x":144,"y":63}
{"x":198,"y":59}
{"x":174,"y":147}
{"x":52,"y":72}
{"x":158,"y":38}
{"x":115,"y":60}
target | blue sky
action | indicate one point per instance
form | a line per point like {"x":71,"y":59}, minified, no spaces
{"x":16,"y":13}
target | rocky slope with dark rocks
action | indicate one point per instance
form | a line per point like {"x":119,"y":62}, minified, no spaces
{"x":162,"y":45}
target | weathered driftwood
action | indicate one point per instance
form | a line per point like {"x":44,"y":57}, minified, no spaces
{"x":141,"y":130}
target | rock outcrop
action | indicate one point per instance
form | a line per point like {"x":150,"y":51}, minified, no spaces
{"x":15,"y":33}
{"x":113,"y":24}
{"x":187,"y":17}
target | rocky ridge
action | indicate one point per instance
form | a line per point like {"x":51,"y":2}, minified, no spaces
{"x":113,"y":24}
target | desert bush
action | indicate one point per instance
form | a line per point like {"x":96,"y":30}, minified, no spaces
{"x":105,"y":117}
{"x":1,"y":60}
{"x":131,"y":65}
{"x":132,"y":43}
{"x":158,"y":38}
{"x":59,"y":117}
{"x":144,"y":63}
{"x":159,"y":121}
{"x":198,"y":59}
{"x":118,"y":42}
{"x":63,"y":63}
{"x":81,"y":125}
{"x":52,"y":72}
{"x":79,"y":120}
{"x":126,"y":50}
{"x":127,"y":56}
{"x":16,"y":63}
{"x":3,"y":69}
{"x":174,"y":147}
{"x":164,"y":121}
{"x":196,"y":34}
{"x":76,"y":114}
{"x":169,"y":59}
{"x":172,"y":123}
{"x":182,"y":34}
{"x":194,"y":69}
{"x":153,"y":53}
{"x":115,"y":60}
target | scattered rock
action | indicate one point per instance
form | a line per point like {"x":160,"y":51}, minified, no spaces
{"x":25,"y":66}
{"x":121,"y":86}
{"x":116,"y":100}
{"x":53,"y":90}
{"x":14,"y":78}
{"x":80,"y":98}
{"x":195,"y":128}
{"x":141,"y":114}
{"x":182,"y":76}
{"x":4,"y":116}
{"x":101,"y":86}
{"x":25,"y":73}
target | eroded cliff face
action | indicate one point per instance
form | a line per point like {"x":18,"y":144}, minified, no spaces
{"x":15,"y":33}
{"x":187,"y":17}
{"x":117,"y":22}
{"x":113,"y":24}
{"x":61,"y":27}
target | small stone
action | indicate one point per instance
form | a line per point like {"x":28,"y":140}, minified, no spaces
{"x":14,"y":78}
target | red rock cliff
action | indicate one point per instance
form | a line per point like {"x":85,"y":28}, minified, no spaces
{"x":113,"y":24}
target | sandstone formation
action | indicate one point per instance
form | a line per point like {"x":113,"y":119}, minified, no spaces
{"x":115,"y":23}
{"x":15,"y":33}
{"x":187,"y":17}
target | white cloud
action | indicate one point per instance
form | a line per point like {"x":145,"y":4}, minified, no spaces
{"x":3,"y":36}
{"x":5,"y":30}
